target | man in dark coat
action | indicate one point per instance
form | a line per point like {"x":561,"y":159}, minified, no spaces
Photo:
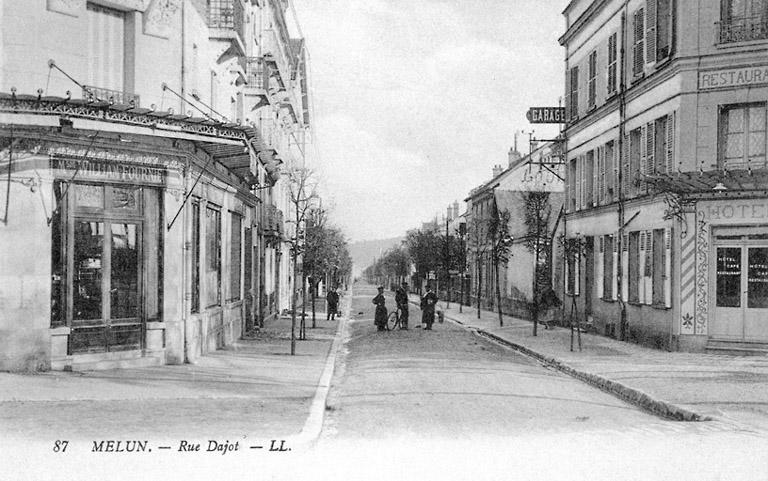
{"x":332,"y":300}
{"x":401,"y":299}
{"x":381,"y":310}
{"x":428,"y":302}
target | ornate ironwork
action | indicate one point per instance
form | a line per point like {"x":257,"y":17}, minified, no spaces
{"x":743,"y":29}
{"x":92,"y":94}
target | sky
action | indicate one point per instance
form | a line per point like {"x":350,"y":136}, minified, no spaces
{"x":414,"y":101}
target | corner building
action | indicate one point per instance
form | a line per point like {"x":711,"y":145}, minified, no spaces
{"x":138,"y":199}
{"x":666,"y":230}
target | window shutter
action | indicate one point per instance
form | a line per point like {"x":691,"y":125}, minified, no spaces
{"x":638,"y":49}
{"x":624,"y":267}
{"x":612,"y":50}
{"x":667,"y":267}
{"x":641,"y":269}
{"x":568,"y":94}
{"x":600,"y":175}
{"x":574,"y":93}
{"x":625,"y":172}
{"x":670,"y":160}
{"x":582,"y":182}
{"x":649,"y":267}
{"x":599,"y":266}
{"x":615,"y":273}
{"x":643,"y":156}
{"x":650,"y":32}
{"x":615,"y":161}
{"x":568,"y":180}
{"x":650,"y":150}
{"x":577,"y":264}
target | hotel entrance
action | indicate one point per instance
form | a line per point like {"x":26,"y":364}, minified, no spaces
{"x":740,"y":283}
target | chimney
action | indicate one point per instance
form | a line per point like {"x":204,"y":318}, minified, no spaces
{"x":514,"y":156}
{"x":497,"y":170}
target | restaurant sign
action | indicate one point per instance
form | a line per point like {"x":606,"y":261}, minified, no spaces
{"x":733,"y":77}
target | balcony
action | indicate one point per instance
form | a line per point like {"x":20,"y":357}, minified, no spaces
{"x":94,"y":94}
{"x":742,"y":29}
{"x":257,"y":73}
{"x":226,"y":19}
{"x":272,"y":221}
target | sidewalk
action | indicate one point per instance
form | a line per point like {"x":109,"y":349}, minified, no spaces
{"x":685,"y":386}
{"x":253,"y":388}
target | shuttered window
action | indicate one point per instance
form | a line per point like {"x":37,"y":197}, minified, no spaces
{"x":612,"y":64}
{"x":592,"y":82}
{"x":608,"y":267}
{"x":636,"y":149}
{"x":650,"y":31}
{"x":106,"y":47}
{"x":574,"y":95}
{"x":589,"y":179}
{"x":634,"y":266}
{"x":638,"y":36}
{"x":664,"y":25}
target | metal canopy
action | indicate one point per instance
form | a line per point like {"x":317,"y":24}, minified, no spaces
{"x":709,"y":182}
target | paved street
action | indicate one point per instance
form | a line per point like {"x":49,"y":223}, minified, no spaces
{"x":417,"y":394}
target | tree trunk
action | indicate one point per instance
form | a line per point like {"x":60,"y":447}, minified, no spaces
{"x":498,"y":292}
{"x":479,"y":284}
{"x":293,"y":303}
{"x":314,"y":293}
{"x":303,"y":307}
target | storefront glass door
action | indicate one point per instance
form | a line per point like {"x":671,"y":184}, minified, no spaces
{"x":741,"y":292}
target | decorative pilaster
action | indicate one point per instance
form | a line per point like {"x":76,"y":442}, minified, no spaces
{"x":702,"y":274}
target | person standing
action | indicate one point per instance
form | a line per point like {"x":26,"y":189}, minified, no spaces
{"x":380,"y":318}
{"x":332,"y":299}
{"x":428,"y":302}
{"x":401,"y":299}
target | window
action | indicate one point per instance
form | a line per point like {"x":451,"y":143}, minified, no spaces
{"x":235,"y":252}
{"x":638,"y":50}
{"x":574,"y":93}
{"x":743,"y":136}
{"x":572,"y":185}
{"x":634,"y":267}
{"x":592,"y":82}
{"x":657,"y":267}
{"x":658,"y":161}
{"x":743,"y":20}
{"x":213,"y":256}
{"x":728,"y":289}
{"x":609,"y":166}
{"x":757,"y":278}
{"x":588,"y":181}
{"x":633,"y":174}
{"x":106,"y":47}
{"x":664,"y":23}
{"x":608,"y":268}
{"x":195,"y":307}
{"x":612,"y":64}
{"x":572,"y":266}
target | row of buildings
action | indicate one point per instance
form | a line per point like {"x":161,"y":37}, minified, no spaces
{"x":659,"y":185}
{"x":143,"y":152}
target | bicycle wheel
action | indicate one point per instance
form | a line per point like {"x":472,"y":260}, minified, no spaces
{"x":391,"y":320}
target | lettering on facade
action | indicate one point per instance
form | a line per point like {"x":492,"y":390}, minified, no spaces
{"x":738,"y":211}
{"x":92,"y":169}
{"x":733,"y":77}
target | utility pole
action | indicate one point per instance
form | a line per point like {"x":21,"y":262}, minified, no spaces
{"x":447,"y":266}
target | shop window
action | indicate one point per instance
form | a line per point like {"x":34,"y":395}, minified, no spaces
{"x":235,"y":253}
{"x":124,"y":271}
{"x":634,"y":267}
{"x":58,"y":298}
{"x":88,"y":270}
{"x":728,"y":290}
{"x":742,"y":136}
{"x":213,"y":257}
{"x":195,"y":277}
{"x":757,"y":278}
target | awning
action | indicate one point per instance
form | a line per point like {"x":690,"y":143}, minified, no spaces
{"x":740,"y":182}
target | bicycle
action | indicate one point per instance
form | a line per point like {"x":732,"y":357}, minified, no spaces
{"x":394,"y":320}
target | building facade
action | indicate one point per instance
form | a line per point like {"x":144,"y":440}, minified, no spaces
{"x":666,"y":170}
{"x":533,"y":178}
{"x":139,"y":200}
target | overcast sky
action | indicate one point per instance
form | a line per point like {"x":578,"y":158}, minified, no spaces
{"x":416,"y":100}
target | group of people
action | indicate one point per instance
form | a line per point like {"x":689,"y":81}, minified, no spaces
{"x":428,"y":303}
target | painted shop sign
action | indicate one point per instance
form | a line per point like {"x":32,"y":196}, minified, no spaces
{"x":733,"y":77}
{"x":735,"y":211}
{"x":108,"y":171}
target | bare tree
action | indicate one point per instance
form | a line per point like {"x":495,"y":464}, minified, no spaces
{"x":303,"y":194}
{"x":477,"y":245}
{"x":500,"y":243}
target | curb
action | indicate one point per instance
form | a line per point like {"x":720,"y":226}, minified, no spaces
{"x":625,"y":393}
{"x":314,"y":424}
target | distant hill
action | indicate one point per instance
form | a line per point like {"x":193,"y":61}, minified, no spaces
{"x":364,"y":252}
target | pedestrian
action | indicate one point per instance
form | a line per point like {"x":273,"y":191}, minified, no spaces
{"x":401,"y":299}
{"x":428,"y":302}
{"x":332,"y":300}
{"x":381,"y":310}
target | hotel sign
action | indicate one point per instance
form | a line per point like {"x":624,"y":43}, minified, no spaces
{"x":733,"y":77}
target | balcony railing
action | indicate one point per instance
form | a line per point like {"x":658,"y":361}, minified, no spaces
{"x":257,"y":73}
{"x":93,"y":94}
{"x":743,"y":29}
{"x":227,"y":14}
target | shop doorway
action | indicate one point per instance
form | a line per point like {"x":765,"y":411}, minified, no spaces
{"x":740,"y":283}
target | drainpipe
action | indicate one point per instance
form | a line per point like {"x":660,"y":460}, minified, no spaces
{"x":621,"y":214}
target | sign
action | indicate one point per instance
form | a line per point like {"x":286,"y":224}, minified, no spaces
{"x":736,"y":211}
{"x":733,"y":77}
{"x":546,"y":115}
{"x":109,"y":171}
